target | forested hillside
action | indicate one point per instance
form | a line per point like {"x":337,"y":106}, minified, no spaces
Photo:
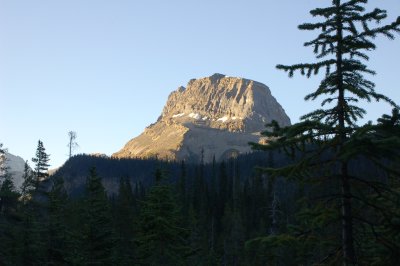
{"x":164,"y":213}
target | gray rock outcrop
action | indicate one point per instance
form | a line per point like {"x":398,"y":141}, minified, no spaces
{"x":216,"y":114}
{"x":15,"y":165}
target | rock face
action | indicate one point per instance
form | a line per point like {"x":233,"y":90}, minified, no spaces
{"x":216,"y":114}
{"x":16,"y":167}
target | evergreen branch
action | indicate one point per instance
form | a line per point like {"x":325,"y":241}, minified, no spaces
{"x":378,"y":187}
{"x":314,"y":26}
{"x":385,"y":30}
{"x":352,"y":65}
{"x":394,"y":247}
{"x":353,"y":4}
{"x":306,"y":67}
{"x":323,"y":12}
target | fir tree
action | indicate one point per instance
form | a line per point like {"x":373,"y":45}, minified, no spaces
{"x":41,"y":161}
{"x":8,"y":194}
{"x":233,"y":237}
{"x":161,"y":240}
{"x":33,"y":247}
{"x":57,"y":232}
{"x":378,"y":219}
{"x":8,"y":215}
{"x":182,"y":189}
{"x":124,"y":223}
{"x":345,"y":35}
{"x":29,"y":184}
{"x":98,"y":233}
{"x":213,"y":206}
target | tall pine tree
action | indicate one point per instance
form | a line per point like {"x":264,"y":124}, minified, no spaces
{"x":57,"y":232}
{"x":125,"y":211}
{"x":8,"y":214}
{"x":41,"y":161}
{"x":28,"y":185}
{"x":161,"y":240}
{"x":345,"y":36}
{"x":98,"y":229}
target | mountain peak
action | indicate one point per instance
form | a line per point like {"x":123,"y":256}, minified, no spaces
{"x":216,"y":76}
{"x":215,"y":114}
{"x":222,"y":102}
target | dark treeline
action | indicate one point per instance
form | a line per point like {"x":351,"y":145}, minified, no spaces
{"x":166,"y":214}
{"x":163,"y":213}
{"x":141,"y":172}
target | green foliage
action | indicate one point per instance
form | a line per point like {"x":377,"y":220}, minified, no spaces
{"x":57,"y":228}
{"x":28,"y":186}
{"x":32,"y":245}
{"x":161,"y":240}
{"x":8,"y":214}
{"x":233,"y":237}
{"x":327,"y":140}
{"x":41,"y":161}
{"x":8,"y":195}
{"x":242,"y":217}
{"x":125,"y":212}
{"x":97,"y":226}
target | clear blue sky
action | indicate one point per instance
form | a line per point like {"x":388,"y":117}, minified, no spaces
{"x":105,"y":68}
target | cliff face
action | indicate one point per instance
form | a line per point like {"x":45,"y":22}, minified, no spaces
{"x":216,"y":114}
{"x":15,"y":165}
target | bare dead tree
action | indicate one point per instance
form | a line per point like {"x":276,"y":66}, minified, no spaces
{"x":72,"y":144}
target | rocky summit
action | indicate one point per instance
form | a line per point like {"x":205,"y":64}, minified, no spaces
{"x":216,"y":115}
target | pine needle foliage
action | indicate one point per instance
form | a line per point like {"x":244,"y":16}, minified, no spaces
{"x":326,"y":140}
{"x":41,"y":161}
{"x":57,"y":234}
{"x":161,"y":240}
{"x":98,"y":234}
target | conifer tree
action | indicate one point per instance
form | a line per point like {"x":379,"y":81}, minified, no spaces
{"x":161,"y":240}
{"x":222,"y":188}
{"x":124,"y":223}
{"x":213,"y":205}
{"x":98,"y":233}
{"x":8,"y":214}
{"x":8,"y":194}
{"x":57,"y":232}
{"x":41,"y":161}
{"x":33,"y":247}
{"x":28,"y":185}
{"x":233,"y":237}
{"x":181,"y":188}
{"x":380,"y":214}
{"x":346,"y":34}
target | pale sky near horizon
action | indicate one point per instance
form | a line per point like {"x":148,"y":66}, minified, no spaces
{"x":105,"y":68}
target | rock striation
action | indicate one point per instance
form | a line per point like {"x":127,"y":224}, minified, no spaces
{"x":218,"y":115}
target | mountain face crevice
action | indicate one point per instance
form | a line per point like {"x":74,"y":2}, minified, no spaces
{"x":217,"y":115}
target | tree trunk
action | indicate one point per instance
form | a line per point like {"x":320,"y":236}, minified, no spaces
{"x":347,"y":219}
